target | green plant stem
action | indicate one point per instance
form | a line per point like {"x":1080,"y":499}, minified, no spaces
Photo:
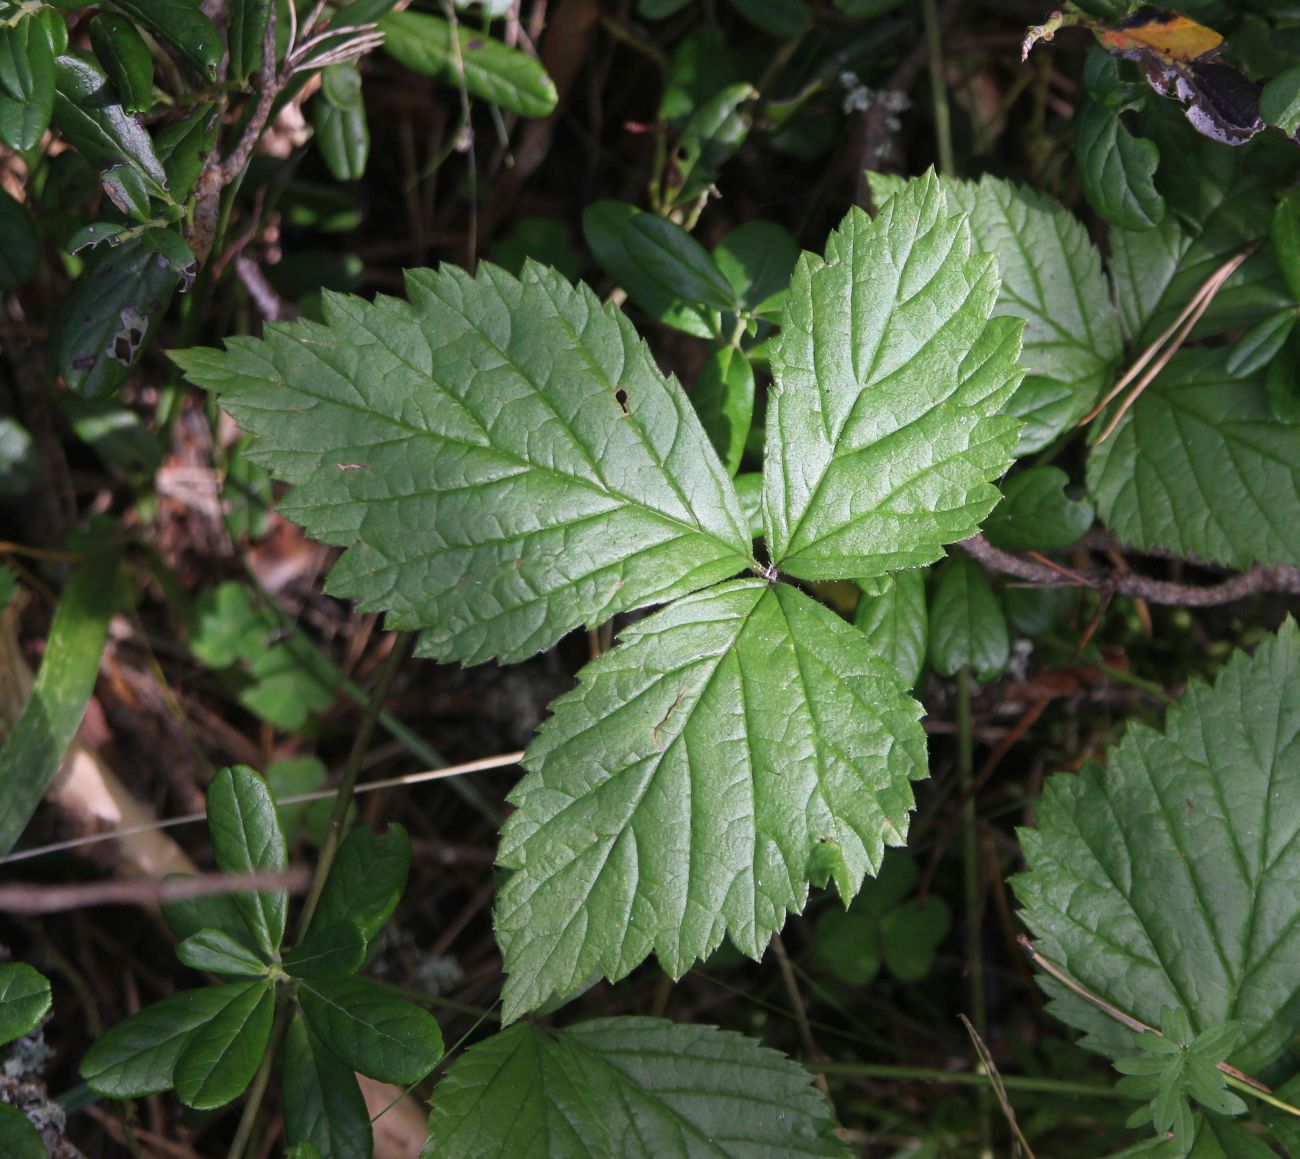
{"x":966,"y":1078}
{"x":338,"y":818}
{"x":938,"y":89}
{"x":257,"y":1089}
{"x":971,"y":877}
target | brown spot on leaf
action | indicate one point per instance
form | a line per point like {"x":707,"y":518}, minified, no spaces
{"x":620,"y":397}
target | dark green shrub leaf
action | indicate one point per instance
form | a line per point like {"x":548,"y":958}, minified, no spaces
{"x":488,"y":69}
{"x":220,"y":953}
{"x":670,"y":256}
{"x":21,"y":250}
{"x":18,"y":1138}
{"x":24,"y":1000}
{"x":884,"y":343}
{"x":342,"y":137}
{"x":562,"y":520}
{"x":184,"y":146}
{"x":215,"y":1066}
{"x":100,"y":128}
{"x":125,"y":58}
{"x":128,"y":190}
{"x":1279,"y":102}
{"x":715,"y":131}
{"x":366,"y":880}
{"x":27,"y":80}
{"x":967,"y":627}
{"x":1118,"y":169}
{"x":892,"y":614}
{"x":1255,"y":349}
{"x":723,"y":397}
{"x":1200,"y":467}
{"x":1035,"y":513}
{"x":247,"y":838}
{"x":758,"y":259}
{"x":97,"y":232}
{"x":214,"y":911}
{"x":112,"y":314}
{"x":138,"y":1055}
{"x":632,"y":833}
{"x":247,"y":29}
{"x":39,"y":739}
{"x":329,"y":951}
{"x":183,"y":24}
{"x":603,"y":225}
{"x":371,"y":1029}
{"x":323,"y":1106}
{"x":1168,"y":878}
{"x":1285,"y":235}
{"x":532,"y":1092}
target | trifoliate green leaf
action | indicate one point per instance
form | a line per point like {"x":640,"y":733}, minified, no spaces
{"x":735,"y":746}
{"x":501,"y":457}
{"x":1200,"y":467}
{"x":883,"y":431}
{"x":1051,"y":278}
{"x":1168,"y":879}
{"x":639,"y":1088}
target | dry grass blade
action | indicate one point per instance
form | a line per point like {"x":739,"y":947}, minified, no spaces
{"x":999,"y":1089}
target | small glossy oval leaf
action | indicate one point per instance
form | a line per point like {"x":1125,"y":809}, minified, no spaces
{"x":967,"y":627}
{"x":893,"y":616}
{"x":640,"y":1087}
{"x":19,"y":1139}
{"x":1182,"y":851}
{"x":723,"y":397}
{"x":215,"y":1066}
{"x":183,"y":24}
{"x":247,"y":838}
{"x":56,"y":28}
{"x":125,"y":58}
{"x":112,"y":314}
{"x":329,"y":951}
{"x":490,"y":70}
{"x":372,"y":1030}
{"x":220,"y":953}
{"x":212,"y":911}
{"x":24,"y":1000}
{"x":1035,"y":513}
{"x":715,"y":131}
{"x":659,"y":814}
{"x":39,"y":740}
{"x":323,"y":1107}
{"x":758,"y":259}
{"x":184,"y":146}
{"x":128,"y":190}
{"x":27,"y":83}
{"x":884,"y":431}
{"x":1257,"y":348}
{"x":366,"y":880}
{"x":1279,"y":102}
{"x":138,"y":1055}
{"x":20,"y":252}
{"x":603,"y":223}
{"x":248,"y":20}
{"x":1118,"y":169}
{"x":100,"y":128}
{"x":674,"y":259}
{"x":619,"y":504}
{"x":343,"y":138}
{"x":97,"y":232}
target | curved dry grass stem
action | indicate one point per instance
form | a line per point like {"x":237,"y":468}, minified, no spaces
{"x":1174,"y":337}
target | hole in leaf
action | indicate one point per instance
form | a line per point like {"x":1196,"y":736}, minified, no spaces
{"x":620,"y":396}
